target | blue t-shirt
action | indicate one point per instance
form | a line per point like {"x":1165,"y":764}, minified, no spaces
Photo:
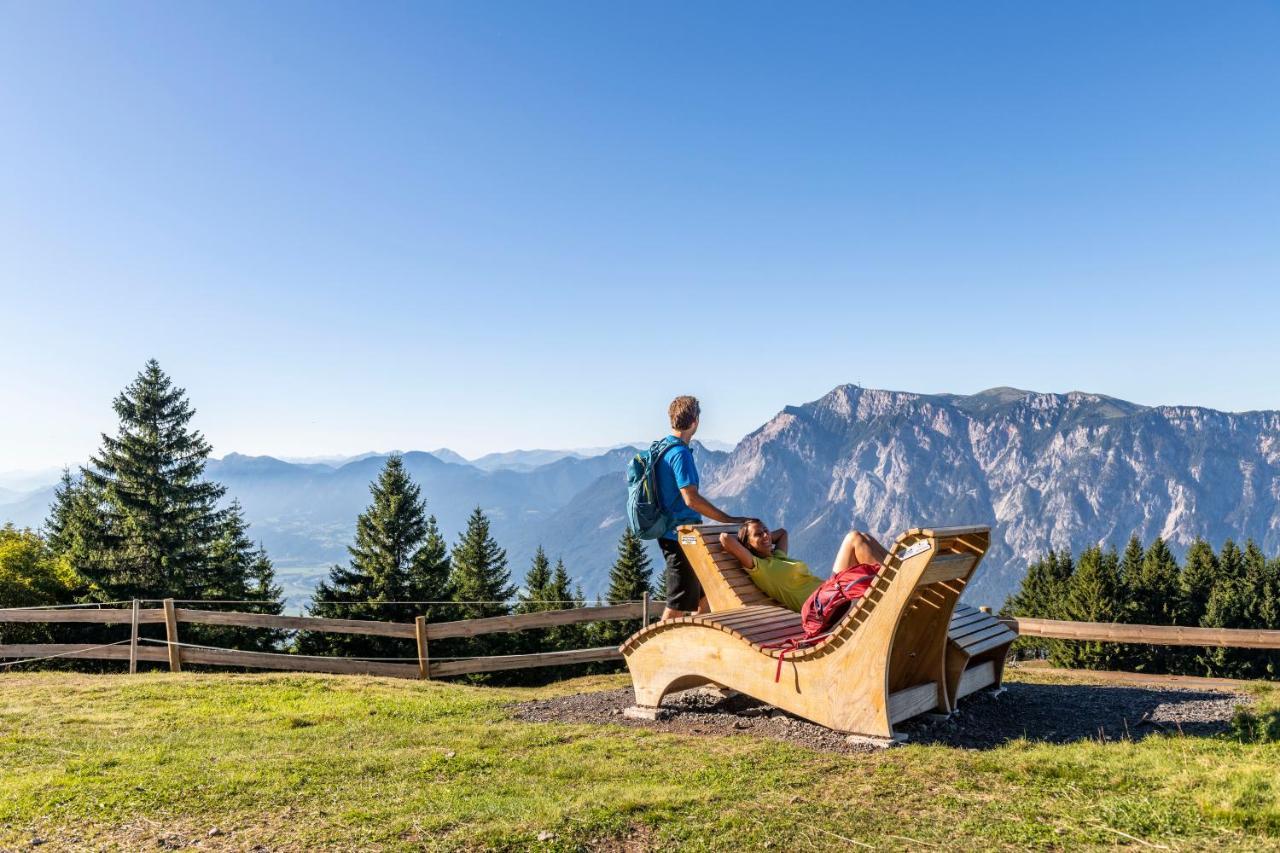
{"x":675,"y":472}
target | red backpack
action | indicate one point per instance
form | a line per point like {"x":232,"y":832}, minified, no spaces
{"x":826,"y":606}
{"x":831,"y":601}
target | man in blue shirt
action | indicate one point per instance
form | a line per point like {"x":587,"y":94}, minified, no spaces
{"x":678,"y":492}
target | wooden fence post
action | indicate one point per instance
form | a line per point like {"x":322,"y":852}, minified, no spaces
{"x":171,"y":633}
{"x":133,"y":641}
{"x":424,"y":663}
{"x":644,"y":610}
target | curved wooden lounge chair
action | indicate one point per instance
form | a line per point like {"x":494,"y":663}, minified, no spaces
{"x":889,"y":659}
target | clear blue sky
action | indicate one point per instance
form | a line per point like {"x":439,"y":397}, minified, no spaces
{"x":493,"y":225}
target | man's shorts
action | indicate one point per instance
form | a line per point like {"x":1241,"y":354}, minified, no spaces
{"x":683,"y":589}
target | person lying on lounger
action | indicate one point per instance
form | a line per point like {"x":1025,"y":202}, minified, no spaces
{"x":788,"y":581}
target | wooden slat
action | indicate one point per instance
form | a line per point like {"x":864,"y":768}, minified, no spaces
{"x":959,"y":623}
{"x":991,"y":643}
{"x":501,"y":662}
{"x":525,"y":621}
{"x":80,"y":651}
{"x":976,"y":677}
{"x":112,"y":616}
{"x":978,"y":634}
{"x":297,"y":663}
{"x":912,"y":701}
{"x":947,"y":567}
{"x":1160,"y":635}
{"x":297,"y":623}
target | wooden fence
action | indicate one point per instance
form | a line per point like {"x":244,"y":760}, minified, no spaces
{"x":176,"y":653}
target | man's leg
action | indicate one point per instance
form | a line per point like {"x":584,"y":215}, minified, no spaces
{"x":858,"y":548}
{"x":684,"y":593}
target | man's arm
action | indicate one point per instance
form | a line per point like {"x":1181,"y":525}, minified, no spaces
{"x":702,"y":506}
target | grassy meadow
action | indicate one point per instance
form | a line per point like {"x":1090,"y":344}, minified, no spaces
{"x":292,"y":762}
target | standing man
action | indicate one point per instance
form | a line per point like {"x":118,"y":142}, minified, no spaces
{"x":678,"y":493}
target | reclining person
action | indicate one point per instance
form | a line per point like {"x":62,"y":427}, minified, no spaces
{"x":787,"y":581}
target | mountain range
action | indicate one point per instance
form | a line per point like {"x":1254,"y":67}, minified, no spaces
{"x":1044,"y":470}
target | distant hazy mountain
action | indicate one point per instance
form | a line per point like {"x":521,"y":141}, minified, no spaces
{"x":1044,"y":470}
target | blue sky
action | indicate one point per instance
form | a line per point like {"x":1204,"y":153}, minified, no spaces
{"x":353,"y":226}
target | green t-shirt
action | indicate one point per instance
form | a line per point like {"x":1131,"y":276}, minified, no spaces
{"x":785,"y":580}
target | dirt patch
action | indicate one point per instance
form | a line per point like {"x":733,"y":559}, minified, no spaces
{"x":1053,"y":713}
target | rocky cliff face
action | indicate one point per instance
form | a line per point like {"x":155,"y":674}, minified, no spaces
{"x":1044,"y":470}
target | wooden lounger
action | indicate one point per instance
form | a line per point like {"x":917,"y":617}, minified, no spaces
{"x":889,"y":659}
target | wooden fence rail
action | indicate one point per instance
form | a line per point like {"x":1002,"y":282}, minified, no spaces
{"x":175,"y":652}
{"x":1159,"y":635}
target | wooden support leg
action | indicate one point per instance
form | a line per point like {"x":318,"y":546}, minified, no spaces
{"x":171,"y":633}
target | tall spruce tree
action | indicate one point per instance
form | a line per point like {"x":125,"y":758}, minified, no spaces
{"x":630,"y":579}
{"x":1154,"y":599}
{"x":155,"y":518}
{"x":481,"y":580}
{"x":141,"y":521}
{"x":1091,"y":595}
{"x":1041,"y":595}
{"x":398,"y":558}
{"x":534,"y":597}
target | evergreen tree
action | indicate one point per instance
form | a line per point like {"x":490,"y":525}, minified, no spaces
{"x":1041,"y":595}
{"x":240,"y":571}
{"x":1154,"y":599}
{"x":1091,"y":595}
{"x":1196,"y":582}
{"x":630,"y":579}
{"x":398,"y":557}
{"x":566,"y":637}
{"x":480,"y":572}
{"x":157,"y":517}
{"x":537,"y":582}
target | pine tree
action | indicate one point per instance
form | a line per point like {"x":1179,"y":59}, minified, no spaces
{"x":537,"y":581}
{"x":157,"y":517}
{"x":566,"y":637}
{"x":630,"y":579}
{"x":1041,"y":595}
{"x":1092,"y":595}
{"x":398,"y":557}
{"x":481,"y":580}
{"x":1154,"y":599}
{"x":240,"y":571}
{"x":1196,"y":582}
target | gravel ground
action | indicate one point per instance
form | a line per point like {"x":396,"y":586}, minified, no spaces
{"x":1054,"y":713}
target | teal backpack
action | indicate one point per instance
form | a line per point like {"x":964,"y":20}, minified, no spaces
{"x":648,"y":518}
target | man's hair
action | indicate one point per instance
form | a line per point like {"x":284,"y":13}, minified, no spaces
{"x":744,"y":531}
{"x":683,"y":411}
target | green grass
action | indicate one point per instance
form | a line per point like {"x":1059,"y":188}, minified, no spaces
{"x":305,"y":762}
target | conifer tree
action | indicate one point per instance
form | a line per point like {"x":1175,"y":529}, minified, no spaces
{"x":239,"y":570}
{"x":630,"y":579}
{"x":156,"y":518}
{"x":398,"y":557}
{"x":537,"y":582}
{"x":1154,"y":599}
{"x":481,"y":581}
{"x":1091,"y":595}
{"x":566,"y":637}
{"x":1199,"y":575}
{"x":1040,"y":596}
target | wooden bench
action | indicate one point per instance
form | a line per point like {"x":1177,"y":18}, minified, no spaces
{"x":889,"y":659}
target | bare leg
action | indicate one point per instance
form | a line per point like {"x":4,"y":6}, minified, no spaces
{"x":670,"y":613}
{"x":856,"y":549}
